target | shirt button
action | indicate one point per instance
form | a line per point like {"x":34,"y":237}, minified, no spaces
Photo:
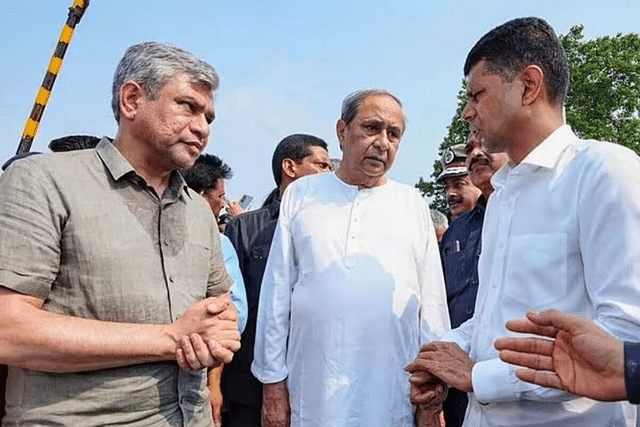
{"x":171,"y":279}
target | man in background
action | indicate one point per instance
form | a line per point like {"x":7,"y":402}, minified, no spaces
{"x":207,"y":177}
{"x":440,"y":223}
{"x":460,"y":192}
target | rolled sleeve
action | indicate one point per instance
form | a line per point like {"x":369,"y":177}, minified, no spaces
{"x":31,"y":217}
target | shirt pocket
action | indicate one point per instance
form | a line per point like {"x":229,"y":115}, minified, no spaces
{"x":536,"y":274}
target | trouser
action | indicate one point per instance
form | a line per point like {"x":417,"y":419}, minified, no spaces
{"x":238,"y":415}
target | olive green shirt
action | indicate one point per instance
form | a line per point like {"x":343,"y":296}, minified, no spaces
{"x":86,"y":233}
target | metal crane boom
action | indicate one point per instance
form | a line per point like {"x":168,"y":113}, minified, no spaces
{"x":75,"y":14}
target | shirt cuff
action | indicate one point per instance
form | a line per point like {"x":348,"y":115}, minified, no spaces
{"x":632,"y":371}
{"x":494,"y":381}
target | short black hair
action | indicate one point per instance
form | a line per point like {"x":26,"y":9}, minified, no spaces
{"x":516,"y":44}
{"x":73,"y":143}
{"x":205,"y":173}
{"x":295,"y":147}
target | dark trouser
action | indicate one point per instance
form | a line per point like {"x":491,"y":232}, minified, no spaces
{"x":454,"y":407}
{"x":241,"y":416}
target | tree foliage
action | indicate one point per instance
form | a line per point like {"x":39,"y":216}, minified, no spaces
{"x":603,"y":101}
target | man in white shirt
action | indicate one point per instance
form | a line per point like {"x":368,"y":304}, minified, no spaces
{"x":560,"y":230}
{"x":353,"y":284}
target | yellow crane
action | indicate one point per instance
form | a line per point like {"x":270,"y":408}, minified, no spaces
{"x":75,"y":14}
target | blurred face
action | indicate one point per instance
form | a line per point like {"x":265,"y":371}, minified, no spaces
{"x":461,"y":195}
{"x":482,"y":164}
{"x":316,"y":162}
{"x":492,"y":107}
{"x":174,"y":127}
{"x":370,"y":141}
{"x":216,"y":197}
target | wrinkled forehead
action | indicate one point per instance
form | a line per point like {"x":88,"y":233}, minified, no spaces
{"x":384,"y":107}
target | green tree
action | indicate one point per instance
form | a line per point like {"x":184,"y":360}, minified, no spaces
{"x":603,"y":101}
{"x":604,"y":88}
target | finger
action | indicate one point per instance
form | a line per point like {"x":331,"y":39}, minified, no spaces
{"x":190,"y":357}
{"x":421,"y":377}
{"x":202,"y":351}
{"x":222,"y":332}
{"x":416,"y":366}
{"x":431,"y":346}
{"x":543,"y":378}
{"x":216,"y":305}
{"x":422,"y":397}
{"x":182,"y":361}
{"x":231,"y":345}
{"x":541,"y":346}
{"x":533,"y":361}
{"x":219,"y":352}
{"x":529,"y":327}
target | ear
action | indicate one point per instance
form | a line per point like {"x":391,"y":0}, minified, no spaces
{"x":288,"y":168}
{"x":131,"y":95}
{"x":341,"y":128}
{"x":532,"y":78}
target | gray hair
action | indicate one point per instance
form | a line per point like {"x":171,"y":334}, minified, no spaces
{"x":354,"y":100}
{"x":438,"y":218}
{"x":153,"y":64}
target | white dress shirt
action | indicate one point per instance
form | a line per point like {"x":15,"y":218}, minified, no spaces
{"x":353,"y":286}
{"x":561,"y":230}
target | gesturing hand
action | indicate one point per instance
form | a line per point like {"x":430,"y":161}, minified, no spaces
{"x":582,"y":359}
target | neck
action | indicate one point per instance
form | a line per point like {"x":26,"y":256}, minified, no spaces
{"x":535,"y":128}
{"x":360,"y":180}
{"x":155,"y":175}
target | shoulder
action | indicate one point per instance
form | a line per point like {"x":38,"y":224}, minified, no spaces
{"x":598,"y":160}
{"x":248,"y":222}
{"x":312,"y":183}
{"x":52,"y":171}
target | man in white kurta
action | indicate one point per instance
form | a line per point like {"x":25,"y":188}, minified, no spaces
{"x":353,"y":286}
{"x":560,"y":231}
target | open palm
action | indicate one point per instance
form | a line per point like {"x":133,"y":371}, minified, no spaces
{"x":582,"y":358}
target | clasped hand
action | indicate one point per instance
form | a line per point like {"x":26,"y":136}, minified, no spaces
{"x":438,"y":365}
{"x":207,"y":334}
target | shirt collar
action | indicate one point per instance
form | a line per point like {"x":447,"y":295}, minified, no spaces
{"x":548,"y":152}
{"x":119,"y":167}
{"x":545,"y":155}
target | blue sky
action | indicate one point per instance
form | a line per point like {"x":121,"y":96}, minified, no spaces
{"x":285,"y":66}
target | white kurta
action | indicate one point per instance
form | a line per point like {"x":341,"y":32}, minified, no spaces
{"x":560,"y":231}
{"x":353,"y":286}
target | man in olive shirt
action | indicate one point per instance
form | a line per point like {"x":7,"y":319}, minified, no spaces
{"x":110,"y":267}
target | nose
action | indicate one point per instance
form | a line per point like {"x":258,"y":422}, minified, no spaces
{"x":468,"y":112}
{"x":200,"y":126}
{"x":382,"y":142}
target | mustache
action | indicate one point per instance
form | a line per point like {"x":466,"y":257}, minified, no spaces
{"x":478,"y":160}
{"x":454,"y":199}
